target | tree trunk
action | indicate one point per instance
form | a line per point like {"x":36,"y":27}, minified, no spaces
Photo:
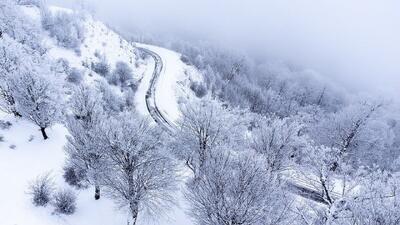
{"x":17,"y":114}
{"x":134,"y":212}
{"x":43,"y":130}
{"x":96,"y":192}
{"x":134,"y":220}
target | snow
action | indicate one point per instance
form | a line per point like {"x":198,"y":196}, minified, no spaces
{"x":32,"y":156}
{"x":140,"y":96}
{"x":99,"y":40}
{"x":29,"y":159}
{"x":19,"y":166}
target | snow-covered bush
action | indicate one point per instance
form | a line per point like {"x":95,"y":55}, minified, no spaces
{"x":75,"y":76}
{"x":64,"y":202}
{"x":42,"y":190}
{"x":101,"y":67}
{"x":185,"y":60}
{"x":111,"y":102}
{"x":4,"y":125}
{"x":121,"y":74}
{"x":199,"y":89}
{"x":75,"y":176}
{"x":66,"y":27}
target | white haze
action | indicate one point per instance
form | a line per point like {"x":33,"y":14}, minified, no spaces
{"x":356,"y":42}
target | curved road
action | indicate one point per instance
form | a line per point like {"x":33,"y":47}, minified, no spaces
{"x":298,"y":186}
{"x":151,"y":103}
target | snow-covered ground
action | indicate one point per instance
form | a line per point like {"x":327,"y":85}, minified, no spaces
{"x":32,"y":156}
{"x":140,"y":96}
{"x":24,"y":154}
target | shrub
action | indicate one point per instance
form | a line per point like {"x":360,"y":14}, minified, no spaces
{"x":74,"y":177}
{"x":101,"y":67}
{"x":199,"y":89}
{"x":65,"y":202}
{"x":75,"y":76}
{"x":121,"y":74}
{"x":42,"y":189}
{"x":185,"y":60}
{"x":4,"y":125}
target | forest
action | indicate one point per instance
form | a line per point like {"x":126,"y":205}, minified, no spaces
{"x":259,"y":143}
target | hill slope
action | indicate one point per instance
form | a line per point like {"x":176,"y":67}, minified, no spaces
{"x":24,"y":155}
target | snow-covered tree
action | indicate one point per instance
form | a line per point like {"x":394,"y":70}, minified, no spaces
{"x":278,"y":141}
{"x":371,"y":198}
{"x":141,"y":174}
{"x":354,"y":131}
{"x":238,"y":190}
{"x":378,"y":201}
{"x":83,"y":147}
{"x":12,"y":58}
{"x":336,"y":188}
{"x":38,"y":97}
{"x":204,"y":125}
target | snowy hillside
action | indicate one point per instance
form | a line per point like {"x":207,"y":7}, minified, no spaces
{"x":99,"y":129}
{"x":23,"y":151}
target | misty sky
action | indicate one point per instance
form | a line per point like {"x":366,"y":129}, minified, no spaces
{"x":357,"y":42}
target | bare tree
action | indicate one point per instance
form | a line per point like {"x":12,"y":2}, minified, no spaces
{"x":140,"y":176}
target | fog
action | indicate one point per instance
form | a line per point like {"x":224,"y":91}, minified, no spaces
{"x":354,"y":42}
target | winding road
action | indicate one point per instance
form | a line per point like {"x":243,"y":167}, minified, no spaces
{"x":151,"y":103}
{"x":297,"y":186}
